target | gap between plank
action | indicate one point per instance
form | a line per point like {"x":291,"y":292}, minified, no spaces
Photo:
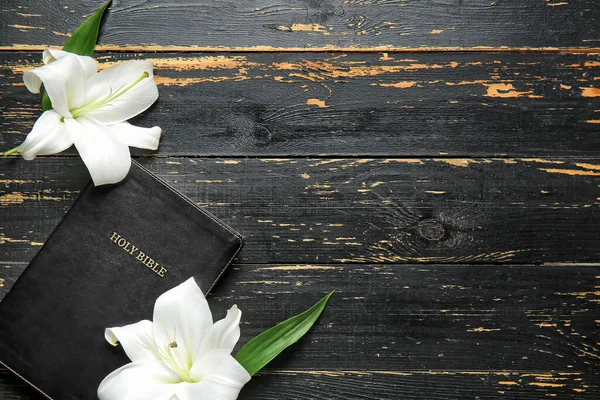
{"x":336,"y":156}
{"x":486,"y":264}
{"x":269,"y":49}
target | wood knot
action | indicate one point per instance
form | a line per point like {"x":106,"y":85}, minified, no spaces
{"x":249,"y":131}
{"x":431,"y":230}
{"x":261,"y":134}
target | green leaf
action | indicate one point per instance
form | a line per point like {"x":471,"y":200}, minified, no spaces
{"x":46,"y":103}
{"x":82,"y":42}
{"x":262,"y":349}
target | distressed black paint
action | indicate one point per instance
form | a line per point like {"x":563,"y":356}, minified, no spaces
{"x":301,"y":104}
{"x":410,"y":182}
{"x":311,"y":23}
{"x":351,"y":210}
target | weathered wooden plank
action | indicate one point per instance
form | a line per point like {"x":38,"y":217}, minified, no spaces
{"x":391,"y":385}
{"x":351,"y":385}
{"x":309,"y":24}
{"x":383,"y":385}
{"x":349,"y":210}
{"x":419,"y":385}
{"x":527,"y":330}
{"x":346,"y":104}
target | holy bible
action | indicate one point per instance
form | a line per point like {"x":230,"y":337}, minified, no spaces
{"x":117,"y":249}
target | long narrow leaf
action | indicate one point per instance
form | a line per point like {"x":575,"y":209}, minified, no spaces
{"x":82,"y":42}
{"x":262,"y":349}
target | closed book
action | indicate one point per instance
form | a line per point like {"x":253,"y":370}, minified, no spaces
{"x":117,"y":249}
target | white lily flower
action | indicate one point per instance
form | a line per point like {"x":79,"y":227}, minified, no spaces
{"x":180,"y":355}
{"x":90,"y":110}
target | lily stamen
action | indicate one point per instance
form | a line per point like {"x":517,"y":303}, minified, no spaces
{"x":181,"y":354}
{"x":90,"y":109}
{"x":170,"y":359}
{"x":111,"y":96}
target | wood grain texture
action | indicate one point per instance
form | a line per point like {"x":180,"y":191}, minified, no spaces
{"x":482,"y":105}
{"x":391,"y":385}
{"x":349,"y":210}
{"x":390,"y":330}
{"x":435,"y":162}
{"x":310,"y":24}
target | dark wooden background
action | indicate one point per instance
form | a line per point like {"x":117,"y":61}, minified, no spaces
{"x":436,"y":162}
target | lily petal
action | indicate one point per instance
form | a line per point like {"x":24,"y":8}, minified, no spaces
{"x":222,"y":378}
{"x":87,"y":63}
{"x":106,"y":157}
{"x":64,"y":82}
{"x":135,"y":339}
{"x":135,"y":136}
{"x":224,"y":334}
{"x":142,"y":380}
{"x":50,"y":55}
{"x":182,"y":315}
{"x":108,"y":82}
{"x":48,"y":136}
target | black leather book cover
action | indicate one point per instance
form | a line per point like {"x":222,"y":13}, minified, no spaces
{"x":117,"y":249}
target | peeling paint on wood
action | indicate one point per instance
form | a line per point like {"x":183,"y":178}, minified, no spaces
{"x":320,"y":24}
{"x":570,"y":171}
{"x":396,"y":212}
{"x":226,"y":100}
{"x":442,"y":134}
